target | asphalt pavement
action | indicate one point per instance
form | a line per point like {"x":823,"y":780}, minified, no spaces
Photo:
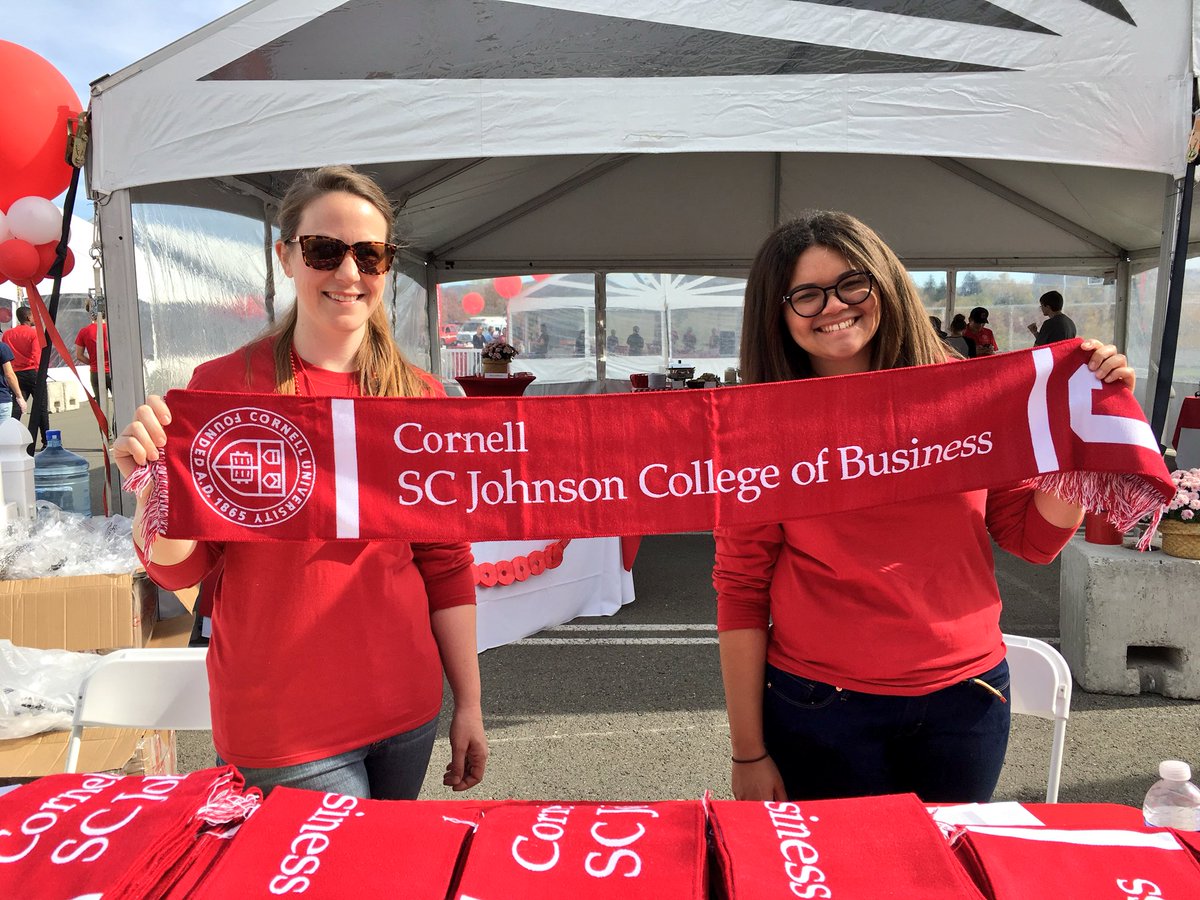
{"x":632,"y":706}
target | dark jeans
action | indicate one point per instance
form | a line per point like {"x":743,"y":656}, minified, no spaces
{"x":946,"y":747}
{"x":26,"y":378}
{"x":96,"y":385}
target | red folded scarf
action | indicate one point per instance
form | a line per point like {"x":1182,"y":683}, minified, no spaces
{"x":270,"y":467}
{"x":582,"y":850}
{"x":91,"y":833}
{"x":331,"y":845}
{"x":860,"y":848}
{"x":1047,"y":864}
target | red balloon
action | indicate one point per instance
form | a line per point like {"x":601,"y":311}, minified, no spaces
{"x":46,"y":256}
{"x":540,"y":277}
{"x":508,"y":286}
{"x":34,"y":107}
{"x":18,"y":260}
{"x":472,"y":303}
{"x":5,"y":316}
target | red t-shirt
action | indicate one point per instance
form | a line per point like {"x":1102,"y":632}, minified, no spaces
{"x":317,"y":647}
{"x":87,"y":340}
{"x":897,"y":600}
{"x":22,"y":340}
{"x":982,"y":338}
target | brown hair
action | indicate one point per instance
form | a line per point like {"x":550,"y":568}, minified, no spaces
{"x":382,"y":369}
{"x":905,"y":336}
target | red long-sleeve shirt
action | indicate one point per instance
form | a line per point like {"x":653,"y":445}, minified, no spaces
{"x":317,"y":647}
{"x":900,"y":599}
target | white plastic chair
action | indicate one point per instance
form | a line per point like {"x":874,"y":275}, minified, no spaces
{"x":1041,"y":686}
{"x":148,"y":688}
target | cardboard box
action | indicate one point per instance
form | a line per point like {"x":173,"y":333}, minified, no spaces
{"x":131,"y":751}
{"x":126,"y":751}
{"x":79,"y":612}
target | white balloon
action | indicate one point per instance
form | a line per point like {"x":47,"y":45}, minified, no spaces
{"x":5,"y":231}
{"x":35,"y":219}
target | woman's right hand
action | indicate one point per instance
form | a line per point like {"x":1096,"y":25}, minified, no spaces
{"x":758,"y":781}
{"x":142,"y":438}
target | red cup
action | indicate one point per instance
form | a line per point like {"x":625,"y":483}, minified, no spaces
{"x":639,"y":379}
{"x":1098,"y":530}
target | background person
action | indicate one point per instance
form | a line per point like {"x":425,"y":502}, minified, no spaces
{"x":336,"y":684}
{"x":861,"y":652}
{"x":977,"y":330}
{"x":22,"y":340}
{"x":635,"y":342}
{"x":958,"y":338}
{"x":10,"y":391}
{"x":85,"y":354}
{"x":1058,"y":326}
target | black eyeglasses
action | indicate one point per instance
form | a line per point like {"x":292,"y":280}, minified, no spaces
{"x":326,"y":253}
{"x":852,"y":288}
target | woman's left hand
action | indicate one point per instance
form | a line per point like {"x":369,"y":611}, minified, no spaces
{"x":1109,"y":365}
{"x":468,"y":750}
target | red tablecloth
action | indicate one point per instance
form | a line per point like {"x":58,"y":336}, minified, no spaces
{"x":513,"y":385}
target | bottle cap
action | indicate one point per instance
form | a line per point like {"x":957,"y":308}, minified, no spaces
{"x":1174,"y":770}
{"x":53,"y":436}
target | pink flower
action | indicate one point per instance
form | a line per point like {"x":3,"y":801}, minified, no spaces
{"x":1187,"y":515}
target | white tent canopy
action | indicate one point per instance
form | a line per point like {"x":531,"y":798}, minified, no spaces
{"x":524,"y":136}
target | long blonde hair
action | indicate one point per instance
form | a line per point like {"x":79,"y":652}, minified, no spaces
{"x":382,"y":369}
{"x":904,"y":338}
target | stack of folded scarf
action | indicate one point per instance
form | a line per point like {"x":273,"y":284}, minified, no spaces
{"x":334,"y":845}
{"x":582,"y":850}
{"x":860,"y":848}
{"x":123,"y":836}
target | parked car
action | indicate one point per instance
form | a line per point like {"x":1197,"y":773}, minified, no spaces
{"x":449,"y":334}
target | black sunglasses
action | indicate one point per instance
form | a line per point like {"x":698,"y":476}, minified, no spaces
{"x":326,"y":253}
{"x":852,"y":288}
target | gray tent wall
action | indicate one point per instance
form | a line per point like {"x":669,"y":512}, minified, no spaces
{"x":578,"y":135}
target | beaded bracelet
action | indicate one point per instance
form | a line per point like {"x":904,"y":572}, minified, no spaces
{"x":745,"y":761}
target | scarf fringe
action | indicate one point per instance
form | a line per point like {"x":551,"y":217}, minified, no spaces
{"x":154,"y":516}
{"x":1123,"y":499}
{"x":227,"y":804}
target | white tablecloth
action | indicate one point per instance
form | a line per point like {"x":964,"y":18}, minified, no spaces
{"x":590,"y":582}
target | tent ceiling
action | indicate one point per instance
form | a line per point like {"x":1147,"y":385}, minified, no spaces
{"x":709,"y":211}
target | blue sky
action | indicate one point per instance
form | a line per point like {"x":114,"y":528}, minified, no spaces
{"x":87,"y":39}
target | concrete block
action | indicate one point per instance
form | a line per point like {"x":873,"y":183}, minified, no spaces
{"x":1130,"y":621}
{"x":62,"y":396}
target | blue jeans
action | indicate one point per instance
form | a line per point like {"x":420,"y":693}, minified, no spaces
{"x":6,"y":409}
{"x":390,"y":769}
{"x":945,"y":747}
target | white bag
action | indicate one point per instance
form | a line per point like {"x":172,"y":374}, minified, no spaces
{"x":38,"y":688}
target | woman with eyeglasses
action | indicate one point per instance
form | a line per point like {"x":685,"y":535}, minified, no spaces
{"x":861,"y":652}
{"x":326,"y":658}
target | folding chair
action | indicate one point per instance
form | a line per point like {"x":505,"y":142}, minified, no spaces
{"x":149,"y":688}
{"x":1041,"y":686}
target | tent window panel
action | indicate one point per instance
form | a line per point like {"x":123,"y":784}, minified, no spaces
{"x":931,"y":288}
{"x":200,"y":283}
{"x":1142,"y":295}
{"x":1011,"y":299}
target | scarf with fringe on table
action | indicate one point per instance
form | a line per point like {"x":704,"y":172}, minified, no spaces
{"x":246,"y":467}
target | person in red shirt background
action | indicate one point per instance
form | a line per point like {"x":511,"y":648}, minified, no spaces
{"x":22,"y":340}
{"x":85,"y":353}
{"x":977,"y":330}
{"x":861,"y":652}
{"x":326,"y":658}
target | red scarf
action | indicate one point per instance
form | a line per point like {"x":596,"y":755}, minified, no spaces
{"x":854,"y":849}
{"x":91,"y":833}
{"x":582,"y":850}
{"x":270,"y":467}
{"x":332,"y":845}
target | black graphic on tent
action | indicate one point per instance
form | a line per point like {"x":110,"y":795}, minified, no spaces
{"x":253,"y":468}
{"x":489,"y":39}
{"x":973,"y":12}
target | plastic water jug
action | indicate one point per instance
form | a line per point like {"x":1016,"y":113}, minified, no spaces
{"x":61,"y":477}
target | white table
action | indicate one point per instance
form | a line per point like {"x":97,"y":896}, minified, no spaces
{"x":590,"y":582}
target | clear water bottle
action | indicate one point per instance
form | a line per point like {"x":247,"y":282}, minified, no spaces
{"x":1173,"y":801}
{"x":62,"y":477}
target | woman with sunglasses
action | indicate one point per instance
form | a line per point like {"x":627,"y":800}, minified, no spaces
{"x":861,"y":652}
{"x":326,"y":659}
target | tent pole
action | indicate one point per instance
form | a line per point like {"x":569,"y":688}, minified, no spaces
{"x":1171,"y":200}
{"x":601,"y":327}
{"x":433,"y":320}
{"x":269,"y":255}
{"x":1121,"y":314}
{"x":125,"y":327}
{"x":1170,"y":331}
{"x":777,"y":194}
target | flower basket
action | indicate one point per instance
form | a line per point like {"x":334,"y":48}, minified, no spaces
{"x":495,"y":366}
{"x":1180,"y":539}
